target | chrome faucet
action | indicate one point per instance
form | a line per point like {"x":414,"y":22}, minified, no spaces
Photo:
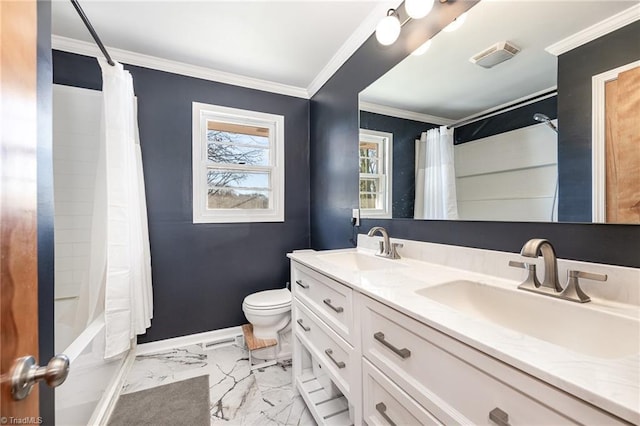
{"x":387,"y":249}
{"x":572,"y":291}
{"x":537,"y":246}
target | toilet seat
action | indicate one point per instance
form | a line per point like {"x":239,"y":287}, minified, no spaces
{"x":266,"y":312}
{"x":268,"y":300}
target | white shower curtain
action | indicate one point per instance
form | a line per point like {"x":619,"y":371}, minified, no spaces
{"x":121,"y":261}
{"x":435,"y":176}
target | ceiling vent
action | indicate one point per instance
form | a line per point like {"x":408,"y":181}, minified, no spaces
{"x":495,"y":54}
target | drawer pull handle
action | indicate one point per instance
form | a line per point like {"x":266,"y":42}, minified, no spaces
{"x":301,"y":284}
{"x":338,"y":309}
{"x":382,"y":409}
{"x":403,"y":353}
{"x":304,"y":327}
{"x":499,"y":417}
{"x":339,"y":364}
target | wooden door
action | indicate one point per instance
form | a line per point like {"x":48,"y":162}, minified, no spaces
{"x":18,"y":202}
{"x":622,"y":147}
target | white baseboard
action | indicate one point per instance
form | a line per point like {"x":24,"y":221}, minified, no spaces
{"x":107,"y":403}
{"x":192,"y":339}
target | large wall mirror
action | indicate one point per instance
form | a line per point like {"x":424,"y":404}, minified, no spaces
{"x":470,"y":129}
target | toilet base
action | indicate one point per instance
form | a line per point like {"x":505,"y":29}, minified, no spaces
{"x":263,"y":356}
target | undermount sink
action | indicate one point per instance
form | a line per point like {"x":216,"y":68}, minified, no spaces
{"x":570,"y":325}
{"x":359,"y":261}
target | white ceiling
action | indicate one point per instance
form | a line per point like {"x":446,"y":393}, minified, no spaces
{"x":443,"y":83}
{"x":283,"y":42}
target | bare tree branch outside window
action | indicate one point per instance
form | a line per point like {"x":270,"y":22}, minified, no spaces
{"x":226,"y":149}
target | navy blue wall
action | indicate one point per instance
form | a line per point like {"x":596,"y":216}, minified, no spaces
{"x":405,"y":132}
{"x":575,"y":69}
{"x":334,"y":174}
{"x":202,"y":272}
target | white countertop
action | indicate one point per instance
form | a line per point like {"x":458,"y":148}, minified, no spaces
{"x":611,"y":384}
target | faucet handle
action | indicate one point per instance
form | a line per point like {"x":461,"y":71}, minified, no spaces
{"x":531,"y":283}
{"x":587,"y":275}
{"x":522,"y":265}
{"x":573,"y":292}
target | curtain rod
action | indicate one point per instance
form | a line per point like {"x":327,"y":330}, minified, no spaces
{"x":506,"y":108}
{"x":87,"y":23}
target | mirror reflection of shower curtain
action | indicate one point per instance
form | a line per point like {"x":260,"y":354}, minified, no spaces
{"x":120,"y":261}
{"x":435,"y":176}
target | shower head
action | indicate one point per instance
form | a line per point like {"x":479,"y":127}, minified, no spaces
{"x":544,"y":119}
{"x":540,"y":117}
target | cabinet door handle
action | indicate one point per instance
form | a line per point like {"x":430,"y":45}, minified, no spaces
{"x":304,"y":327}
{"x":382,"y":409}
{"x":338,"y":309}
{"x":499,"y":417}
{"x":402,"y":353}
{"x":301,"y":284}
{"x":339,"y":364}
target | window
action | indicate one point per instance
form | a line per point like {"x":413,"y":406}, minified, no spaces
{"x":238,"y":165}
{"x":375,"y":173}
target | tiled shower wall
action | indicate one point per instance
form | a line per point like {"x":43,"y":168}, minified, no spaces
{"x":76,"y":133}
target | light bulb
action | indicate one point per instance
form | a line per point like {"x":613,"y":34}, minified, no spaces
{"x":418,"y":8}
{"x":388,"y":29}
{"x":457,"y":23}
{"x":423,"y":48}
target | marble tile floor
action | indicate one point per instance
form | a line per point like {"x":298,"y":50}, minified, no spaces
{"x":238,"y":396}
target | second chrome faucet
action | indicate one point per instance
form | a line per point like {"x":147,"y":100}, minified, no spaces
{"x":572,"y":291}
{"x":387,"y":249}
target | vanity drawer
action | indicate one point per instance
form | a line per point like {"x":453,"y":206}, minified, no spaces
{"x":385,"y":403}
{"x":327,"y":298}
{"x":337,"y":356}
{"x":442,"y":375}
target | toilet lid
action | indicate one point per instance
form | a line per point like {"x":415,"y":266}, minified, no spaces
{"x":269,"y":298}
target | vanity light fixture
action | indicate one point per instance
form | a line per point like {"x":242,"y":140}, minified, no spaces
{"x":422,"y":49}
{"x":388,"y":29}
{"x":417,"y":9}
{"x":457,"y":23}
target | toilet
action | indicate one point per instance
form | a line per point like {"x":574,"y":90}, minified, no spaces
{"x":269,"y":312}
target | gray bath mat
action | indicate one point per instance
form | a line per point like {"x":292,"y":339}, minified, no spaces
{"x":180,"y":403}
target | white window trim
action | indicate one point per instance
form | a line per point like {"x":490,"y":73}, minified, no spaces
{"x":200,"y":114}
{"x":386,"y":211}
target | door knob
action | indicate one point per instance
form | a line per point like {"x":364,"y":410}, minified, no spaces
{"x":27,"y":373}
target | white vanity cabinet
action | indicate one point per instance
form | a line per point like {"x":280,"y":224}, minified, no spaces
{"x":432,"y":377}
{"x":326,"y":355}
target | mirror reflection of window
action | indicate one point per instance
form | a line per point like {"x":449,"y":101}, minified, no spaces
{"x":375,"y":173}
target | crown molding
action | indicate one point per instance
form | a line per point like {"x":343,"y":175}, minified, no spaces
{"x":153,"y":62}
{"x":509,"y":106}
{"x":402,"y":113}
{"x":595,"y":31}
{"x":348,"y":48}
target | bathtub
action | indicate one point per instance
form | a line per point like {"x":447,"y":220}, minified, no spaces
{"x":86,"y":397}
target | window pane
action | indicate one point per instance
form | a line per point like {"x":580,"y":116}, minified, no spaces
{"x":369,"y":185}
{"x":230,"y":198}
{"x":368,"y":201}
{"x":233,"y":154}
{"x":369,"y":149}
{"x":368,"y":166}
{"x":237,"y":133}
{"x":237,"y":179}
